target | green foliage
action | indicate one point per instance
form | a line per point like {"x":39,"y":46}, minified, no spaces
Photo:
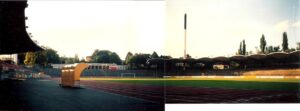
{"x":82,"y":60}
{"x":271,"y":49}
{"x":21,"y":58}
{"x":263,"y":44}
{"x":298,"y":46}
{"x":276,"y":49}
{"x":154,"y":55}
{"x":30,"y":59}
{"x":128,"y":57}
{"x":139,"y":60}
{"x":76,"y":59}
{"x":67,"y":60}
{"x":101,"y":56}
{"x":51,"y":56}
{"x":292,"y":49}
{"x":42,"y":58}
{"x":285,"y":45}
{"x":242,"y":49}
{"x":188,"y":56}
{"x":105,"y":56}
{"x":114,"y":58}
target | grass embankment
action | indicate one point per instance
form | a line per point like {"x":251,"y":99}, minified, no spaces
{"x":273,"y":72}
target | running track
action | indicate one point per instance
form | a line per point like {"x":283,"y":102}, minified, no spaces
{"x":176,"y":94}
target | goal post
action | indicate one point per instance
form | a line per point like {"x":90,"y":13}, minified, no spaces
{"x":127,"y":75}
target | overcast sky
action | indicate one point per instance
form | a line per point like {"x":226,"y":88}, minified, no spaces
{"x":80,"y":27}
{"x":215,"y":27}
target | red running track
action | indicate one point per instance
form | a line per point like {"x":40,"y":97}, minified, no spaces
{"x":176,"y":94}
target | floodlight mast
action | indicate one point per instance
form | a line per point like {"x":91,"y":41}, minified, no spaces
{"x":185,"y":26}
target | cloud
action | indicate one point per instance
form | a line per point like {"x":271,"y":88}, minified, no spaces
{"x":296,"y":24}
{"x":282,"y":26}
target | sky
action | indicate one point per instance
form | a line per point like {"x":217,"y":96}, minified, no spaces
{"x":215,"y":27}
{"x":80,"y":27}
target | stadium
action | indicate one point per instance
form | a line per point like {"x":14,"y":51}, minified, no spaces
{"x":35,"y":77}
{"x":169,"y":82}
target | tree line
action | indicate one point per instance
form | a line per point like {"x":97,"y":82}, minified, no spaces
{"x":264,"y":49}
{"x":50,"y":56}
{"x":41,"y":58}
{"x":139,"y":60}
{"x":134,"y":61}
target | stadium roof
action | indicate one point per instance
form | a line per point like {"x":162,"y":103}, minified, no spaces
{"x":238,"y":58}
{"x":295,"y":53}
{"x":220,"y":59}
{"x":278,"y":55}
{"x":13,"y":35}
{"x":204,"y":59}
{"x":257,"y":56}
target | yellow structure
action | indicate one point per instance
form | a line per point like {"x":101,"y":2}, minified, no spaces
{"x":70,"y":75}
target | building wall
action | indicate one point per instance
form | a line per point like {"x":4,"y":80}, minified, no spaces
{"x":96,"y":66}
{"x":12,"y":57}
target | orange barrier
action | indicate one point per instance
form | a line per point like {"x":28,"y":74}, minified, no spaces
{"x":71,"y":74}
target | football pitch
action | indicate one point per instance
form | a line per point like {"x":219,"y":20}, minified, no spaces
{"x":286,"y":84}
{"x":203,"y":90}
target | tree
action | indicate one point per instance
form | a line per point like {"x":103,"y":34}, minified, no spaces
{"x":101,"y":56}
{"x":128,"y":57}
{"x":285,"y":45}
{"x":95,"y":53}
{"x":21,"y":58}
{"x":263,"y":44}
{"x":244,"y":48}
{"x":29,"y":59}
{"x":105,"y":56}
{"x":67,"y":60}
{"x":52,"y":56}
{"x":41,"y":58}
{"x":298,"y":47}
{"x":114,"y":58}
{"x":82,"y":60}
{"x":292,"y":49}
{"x":188,"y":56}
{"x":269,"y":49}
{"x":76,"y":58}
{"x":240,"y":51}
{"x":154,"y":55}
{"x":276,"y":49}
{"x":139,"y":60}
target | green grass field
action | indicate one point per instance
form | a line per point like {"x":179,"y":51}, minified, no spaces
{"x":227,"y":84}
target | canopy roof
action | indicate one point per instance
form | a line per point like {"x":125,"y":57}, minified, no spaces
{"x":13,"y":35}
{"x":278,"y":55}
{"x":257,"y":56}
{"x":220,"y":59}
{"x":238,"y":58}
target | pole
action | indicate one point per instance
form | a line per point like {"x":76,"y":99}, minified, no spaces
{"x":185,"y":24}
